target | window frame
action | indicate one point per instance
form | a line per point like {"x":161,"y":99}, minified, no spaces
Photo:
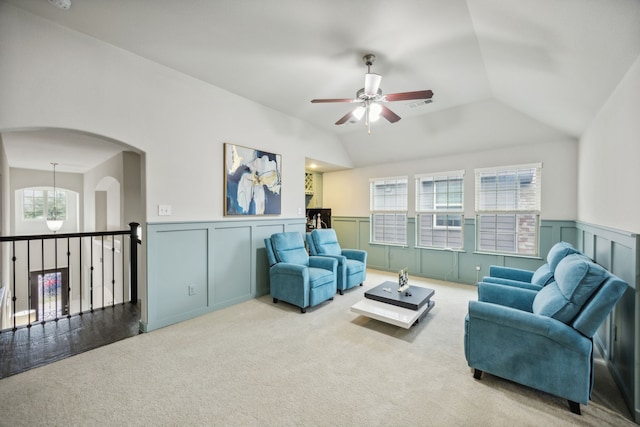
{"x":398,"y":209}
{"x":29,"y":194}
{"x":47,"y":203}
{"x":440,"y":210}
{"x":523,"y":207}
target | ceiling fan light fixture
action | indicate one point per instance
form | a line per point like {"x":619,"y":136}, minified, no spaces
{"x":372,"y":84}
{"x":374,"y":112}
{"x":358,"y":112}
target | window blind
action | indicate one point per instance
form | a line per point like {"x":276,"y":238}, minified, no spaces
{"x":508,"y":209}
{"x":388,"y":208}
{"x":440,"y":210}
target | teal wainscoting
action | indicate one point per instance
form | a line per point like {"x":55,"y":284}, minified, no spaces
{"x":619,"y":337}
{"x":198,"y":267}
{"x":457,"y":266}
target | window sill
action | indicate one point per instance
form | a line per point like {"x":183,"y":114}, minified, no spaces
{"x":441,"y":249}
{"x":504,"y":254}
{"x":397,"y":245}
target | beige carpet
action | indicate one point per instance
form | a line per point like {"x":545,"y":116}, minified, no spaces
{"x":264,"y":364}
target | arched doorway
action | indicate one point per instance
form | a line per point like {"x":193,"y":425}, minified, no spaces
{"x":107,"y":204}
{"x":106,"y":176}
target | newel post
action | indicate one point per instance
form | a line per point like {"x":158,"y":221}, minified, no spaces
{"x":133,"y":261}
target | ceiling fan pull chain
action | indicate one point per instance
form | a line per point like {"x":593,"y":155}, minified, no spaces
{"x":366,"y":114}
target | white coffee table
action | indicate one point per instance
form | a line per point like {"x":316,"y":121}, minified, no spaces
{"x":391,"y":313}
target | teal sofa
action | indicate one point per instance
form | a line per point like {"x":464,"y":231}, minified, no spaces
{"x":352,"y":263}
{"x":543,"y":339}
{"x":294,"y":276}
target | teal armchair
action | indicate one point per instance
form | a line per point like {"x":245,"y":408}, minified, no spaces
{"x":294,"y":276}
{"x":527,"y":279}
{"x":543,"y":339}
{"x":352,"y":263}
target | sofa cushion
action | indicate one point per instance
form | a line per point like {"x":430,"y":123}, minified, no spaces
{"x":576,"y":279}
{"x":542,"y":276}
{"x":289,"y":247}
{"x":558,"y":252}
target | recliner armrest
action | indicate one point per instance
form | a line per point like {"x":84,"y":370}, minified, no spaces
{"x":355,"y":254}
{"x":288,"y":268}
{"x":512,"y":318}
{"x":507,"y":296}
{"x":511,"y":273}
{"x":326,"y":262}
{"x":339,"y":258}
{"x":510,"y":282}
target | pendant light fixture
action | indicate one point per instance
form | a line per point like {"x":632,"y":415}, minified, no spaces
{"x":54,"y":223}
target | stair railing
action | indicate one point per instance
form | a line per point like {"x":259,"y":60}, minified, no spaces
{"x":53,"y":276}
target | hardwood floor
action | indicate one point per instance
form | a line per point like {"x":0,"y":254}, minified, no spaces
{"x":27,"y":348}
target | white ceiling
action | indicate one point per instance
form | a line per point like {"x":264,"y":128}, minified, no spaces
{"x":73,"y":151}
{"x":549,"y":65}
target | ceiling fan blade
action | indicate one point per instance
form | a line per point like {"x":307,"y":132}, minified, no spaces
{"x":372,"y":83}
{"x":344,"y":118}
{"x":334,"y":100}
{"x":405,"y":96}
{"x":388,"y":114}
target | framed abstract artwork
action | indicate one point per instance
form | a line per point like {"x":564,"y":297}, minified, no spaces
{"x":252,"y":181}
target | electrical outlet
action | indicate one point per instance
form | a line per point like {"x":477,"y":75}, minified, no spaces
{"x":164,"y":210}
{"x":477,"y":268}
{"x":192,"y":289}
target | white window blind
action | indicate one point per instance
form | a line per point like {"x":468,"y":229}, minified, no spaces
{"x":388,"y":207}
{"x":440,"y":210}
{"x":508,"y":209}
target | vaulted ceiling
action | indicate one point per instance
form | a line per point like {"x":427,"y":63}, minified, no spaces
{"x":499,"y":69}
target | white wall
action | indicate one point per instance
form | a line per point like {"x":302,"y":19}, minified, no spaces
{"x":347,"y":192}
{"x":5,"y":191}
{"x":609,"y":160}
{"x":53,"y":77}
{"x":5,"y":227}
{"x":112,"y":168}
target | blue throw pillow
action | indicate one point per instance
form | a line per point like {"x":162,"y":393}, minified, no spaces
{"x":576,"y":279}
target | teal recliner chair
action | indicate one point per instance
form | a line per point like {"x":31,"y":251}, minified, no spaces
{"x":535,"y":280}
{"x":543,"y":339}
{"x":295,"y":277}
{"x":352,"y":263}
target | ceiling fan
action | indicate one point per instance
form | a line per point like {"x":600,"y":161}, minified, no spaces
{"x":371,"y":101}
